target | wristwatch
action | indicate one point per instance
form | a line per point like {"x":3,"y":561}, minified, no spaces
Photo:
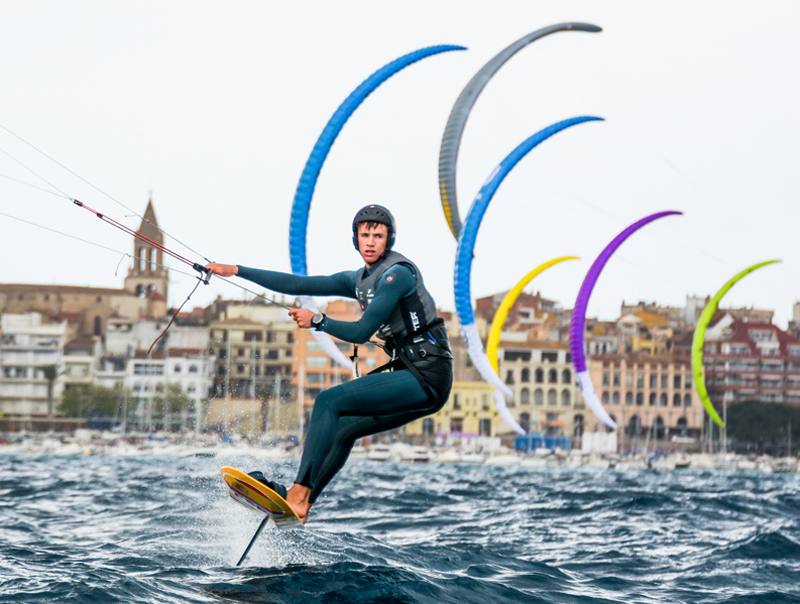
{"x":316,"y":320}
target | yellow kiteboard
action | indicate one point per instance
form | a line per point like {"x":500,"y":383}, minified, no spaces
{"x":259,"y":498}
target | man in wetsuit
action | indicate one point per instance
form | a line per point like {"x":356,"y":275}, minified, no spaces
{"x":398,"y":309}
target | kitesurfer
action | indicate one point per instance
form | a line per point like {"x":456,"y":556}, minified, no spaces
{"x":397,"y":308}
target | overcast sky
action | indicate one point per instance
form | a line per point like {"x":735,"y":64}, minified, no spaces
{"x":214,"y":107}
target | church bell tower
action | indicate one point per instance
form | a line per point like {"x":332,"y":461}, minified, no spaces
{"x":148,"y":277}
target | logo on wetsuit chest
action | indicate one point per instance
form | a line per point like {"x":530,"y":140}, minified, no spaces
{"x":364,"y":300}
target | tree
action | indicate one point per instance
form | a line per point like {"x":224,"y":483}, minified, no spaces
{"x":88,"y":400}
{"x":51,"y":374}
{"x":765,"y":425}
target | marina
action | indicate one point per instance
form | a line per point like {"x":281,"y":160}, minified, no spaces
{"x":104,"y":443}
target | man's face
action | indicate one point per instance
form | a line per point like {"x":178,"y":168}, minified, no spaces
{"x":372,"y":242}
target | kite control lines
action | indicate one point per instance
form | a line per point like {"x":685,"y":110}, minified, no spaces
{"x":205,"y":274}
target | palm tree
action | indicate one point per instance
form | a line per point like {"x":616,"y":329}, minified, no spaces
{"x":51,"y":375}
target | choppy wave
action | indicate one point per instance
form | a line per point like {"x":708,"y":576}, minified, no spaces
{"x":162,"y":530}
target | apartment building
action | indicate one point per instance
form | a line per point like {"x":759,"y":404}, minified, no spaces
{"x":642,"y":393}
{"x":168,"y":388}
{"x":750,"y":361}
{"x":30,"y":343}
{"x":251,"y":357}
{"x":546,"y":396}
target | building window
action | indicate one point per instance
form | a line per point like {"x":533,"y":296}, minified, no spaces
{"x":664,"y":381}
{"x":615,"y":398}
{"x":676,"y":382}
{"x":606,"y":379}
{"x":525,"y":422}
{"x":578,"y":425}
{"x":456,"y":401}
{"x":566,"y":376}
{"x":272,"y":354}
{"x":315,"y":378}
{"x":687,"y":400}
{"x":485,"y":427}
{"x":550,"y":357}
{"x":252,"y":336}
{"x":605,"y":397}
{"x":639,"y":399}
{"x":565,"y":398}
{"x":538,"y":376}
{"x":456,"y":424}
{"x":616,"y":379}
{"x":525,"y":397}
{"x":662,"y":400}
{"x":653,"y":381}
{"x":177,"y":369}
{"x":676,"y":400}
{"x":629,"y":398}
{"x":552,"y":377}
{"x":427,"y":426}
{"x":192,"y":368}
{"x":526,"y":375}
{"x":484,"y":402}
{"x":147,"y":369}
{"x":509,"y":377}
{"x":538,"y":397}
{"x":640,"y":380}
{"x":552,"y":397}
{"x":652,"y":399}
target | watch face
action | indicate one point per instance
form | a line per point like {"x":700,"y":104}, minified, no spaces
{"x":316,"y":319}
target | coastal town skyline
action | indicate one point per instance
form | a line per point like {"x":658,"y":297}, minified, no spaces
{"x":139,"y":99}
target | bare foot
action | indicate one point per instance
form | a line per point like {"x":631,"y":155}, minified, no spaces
{"x":297,"y":498}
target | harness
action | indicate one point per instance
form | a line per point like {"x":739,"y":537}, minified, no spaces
{"x":413,"y":348}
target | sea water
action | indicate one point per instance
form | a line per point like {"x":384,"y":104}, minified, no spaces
{"x":160,"y":530}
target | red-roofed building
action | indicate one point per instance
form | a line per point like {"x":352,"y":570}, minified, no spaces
{"x":750,"y":361}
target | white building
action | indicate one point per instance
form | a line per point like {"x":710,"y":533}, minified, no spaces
{"x":149,"y":379}
{"x":28,"y":344}
{"x":125,"y":336}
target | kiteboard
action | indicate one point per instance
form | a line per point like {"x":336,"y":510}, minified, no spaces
{"x":259,"y":498}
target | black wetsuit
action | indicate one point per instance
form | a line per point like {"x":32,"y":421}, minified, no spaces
{"x":378,"y":401}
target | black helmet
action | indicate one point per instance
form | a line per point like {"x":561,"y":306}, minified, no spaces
{"x":379,"y":214}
